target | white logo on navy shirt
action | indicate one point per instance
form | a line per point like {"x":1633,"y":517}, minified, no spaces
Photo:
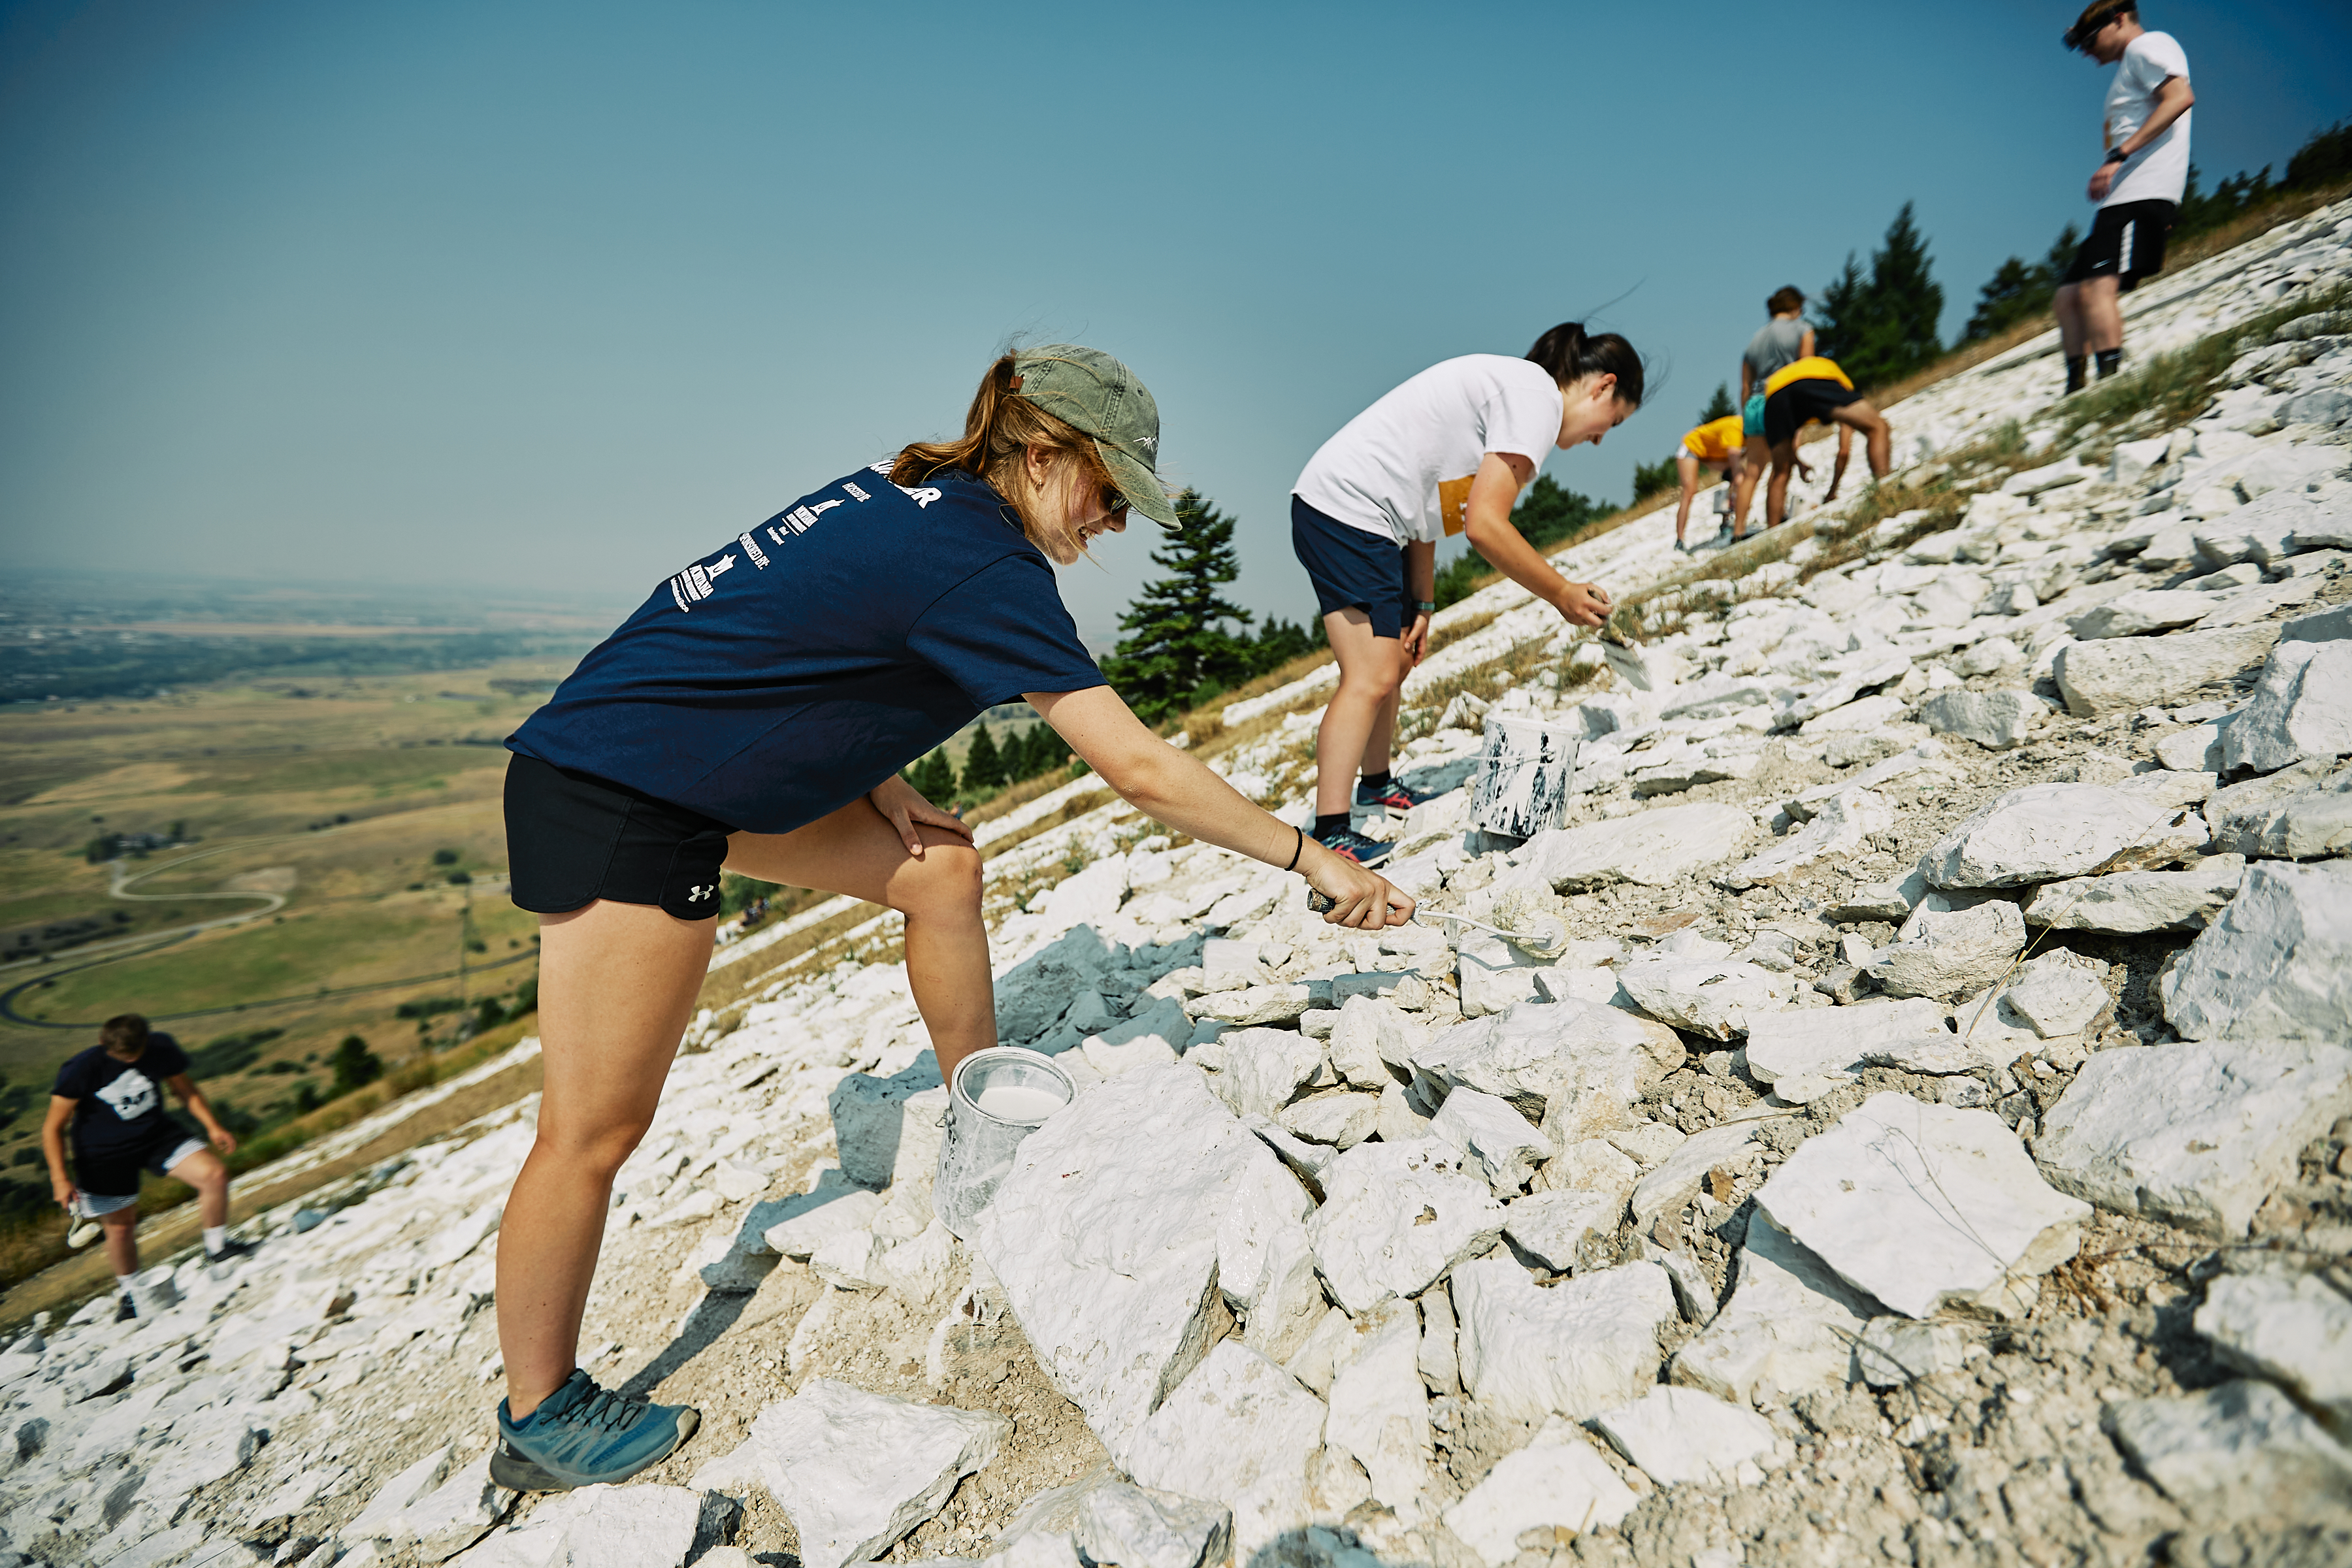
{"x":131,"y":1096}
{"x":921,"y":497}
{"x":851,"y":486}
{"x":752,"y":548}
{"x":694,"y":583}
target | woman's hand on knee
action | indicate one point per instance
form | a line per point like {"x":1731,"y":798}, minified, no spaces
{"x":904,"y":808}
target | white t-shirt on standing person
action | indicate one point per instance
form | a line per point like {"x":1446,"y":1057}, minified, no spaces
{"x":2159,"y":171}
{"x":1402,"y":467}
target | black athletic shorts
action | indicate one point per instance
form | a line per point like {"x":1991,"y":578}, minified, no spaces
{"x":572,"y":839}
{"x":1801,"y":403}
{"x":114,"y":1172}
{"x":1352,"y":566}
{"x":2127,"y":244}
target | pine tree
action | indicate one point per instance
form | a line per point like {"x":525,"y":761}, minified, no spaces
{"x":2019,"y":290}
{"x":1649,"y":478}
{"x":1718,"y":406}
{"x":1179,"y":650}
{"x":935,"y":776}
{"x":984,"y":765}
{"x":1279,"y":641}
{"x":1881,"y":329}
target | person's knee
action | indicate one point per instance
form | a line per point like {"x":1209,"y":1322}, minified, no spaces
{"x":945,"y":884}
{"x":202,"y":1172}
{"x":596,"y":1151}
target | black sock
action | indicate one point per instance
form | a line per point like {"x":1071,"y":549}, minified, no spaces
{"x":2077,"y":367}
{"x":2110,"y":360}
{"x":1326,"y":825}
{"x":1378,"y":780}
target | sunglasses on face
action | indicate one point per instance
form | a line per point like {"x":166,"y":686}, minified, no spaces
{"x":1113,"y":501}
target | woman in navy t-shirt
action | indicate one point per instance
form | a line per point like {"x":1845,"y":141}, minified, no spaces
{"x":754,"y":714}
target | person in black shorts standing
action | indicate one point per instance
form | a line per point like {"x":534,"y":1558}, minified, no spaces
{"x":2139,"y":187}
{"x":111,"y":1097}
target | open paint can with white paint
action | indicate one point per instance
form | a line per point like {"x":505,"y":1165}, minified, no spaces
{"x":997,"y":1097}
{"x":1520,"y":786}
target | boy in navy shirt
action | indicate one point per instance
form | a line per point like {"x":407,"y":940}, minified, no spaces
{"x":111,"y":1097}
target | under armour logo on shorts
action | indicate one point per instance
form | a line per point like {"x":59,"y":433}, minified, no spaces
{"x":695,"y":894}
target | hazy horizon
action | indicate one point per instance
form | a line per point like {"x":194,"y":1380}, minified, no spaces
{"x":559,"y":297}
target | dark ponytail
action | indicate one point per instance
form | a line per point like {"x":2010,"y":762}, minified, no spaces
{"x":1569,"y":356}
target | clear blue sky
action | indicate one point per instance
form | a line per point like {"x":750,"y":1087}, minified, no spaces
{"x":560,"y":295}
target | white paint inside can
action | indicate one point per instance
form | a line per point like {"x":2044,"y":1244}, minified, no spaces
{"x":1018,"y":1101}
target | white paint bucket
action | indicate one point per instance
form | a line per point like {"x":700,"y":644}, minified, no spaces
{"x":1520,"y":786}
{"x":997,"y":1097}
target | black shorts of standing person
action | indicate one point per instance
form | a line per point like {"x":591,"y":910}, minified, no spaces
{"x":754,"y":716}
{"x":107,"y":1105}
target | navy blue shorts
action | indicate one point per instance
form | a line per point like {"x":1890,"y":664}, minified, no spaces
{"x":1352,"y":567}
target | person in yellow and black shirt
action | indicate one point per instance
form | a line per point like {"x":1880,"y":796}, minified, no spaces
{"x":1811,"y":390}
{"x":1716,"y":446}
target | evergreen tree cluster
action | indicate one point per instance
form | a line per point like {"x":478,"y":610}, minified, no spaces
{"x":1883,"y":326}
{"x":989,"y":765}
{"x":1186,"y":642}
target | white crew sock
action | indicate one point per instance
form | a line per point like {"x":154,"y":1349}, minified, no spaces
{"x":215,"y":1238}
{"x":124,"y":1281}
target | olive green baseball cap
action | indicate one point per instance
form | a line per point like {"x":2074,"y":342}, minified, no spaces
{"x":1088,"y":389}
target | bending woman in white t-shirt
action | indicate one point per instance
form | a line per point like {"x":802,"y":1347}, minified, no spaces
{"x":1447,"y":452}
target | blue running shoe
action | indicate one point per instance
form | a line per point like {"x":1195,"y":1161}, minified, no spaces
{"x":1347,"y":841}
{"x":1390,"y":796}
{"x":581,"y":1435}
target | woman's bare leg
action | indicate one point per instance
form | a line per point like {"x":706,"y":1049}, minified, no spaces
{"x":204,"y":1172}
{"x":857,"y":852}
{"x":616,"y":984}
{"x":122,"y":1233}
{"x":1361,"y":712}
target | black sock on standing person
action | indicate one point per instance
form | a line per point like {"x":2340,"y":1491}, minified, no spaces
{"x":2077,"y":372}
{"x":1378,"y":780}
{"x":1328,"y":823}
{"x":2110,"y":360}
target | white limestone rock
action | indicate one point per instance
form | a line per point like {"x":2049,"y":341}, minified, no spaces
{"x":640,"y":1526}
{"x":1112,"y":1521}
{"x":2301,"y":709}
{"x":2241,"y":1451}
{"x":1811,"y":1040}
{"x":1894,"y":1350}
{"x":1152,"y":1038}
{"x":2119,"y":674}
{"x":1111,"y":1230}
{"x":2277,"y":964}
{"x":2133,"y":903}
{"x":1671,"y":1187}
{"x":1556,"y":1482}
{"x":2295,"y":1331}
{"x":1550,"y":1227}
{"x":452,"y":1516}
{"x":2194,"y":750}
{"x":1925,"y":1206}
{"x":1839,"y":826}
{"x":2288,"y":823}
{"x":1395,"y":1216}
{"x":1339,"y":1119}
{"x":1366,"y":1036}
{"x":1679,"y":1435}
{"x":1379,"y":1411}
{"x":800,"y":1226}
{"x":2057,"y":1000}
{"x":1238,"y":1431}
{"x":1996,"y":720}
{"x":853,"y":1470}
{"x":2043,"y":832}
{"x":2197,"y":1133}
{"x":1593,"y":1165}
{"x":1254,"y":1006}
{"x":1493,"y":1138}
{"x":1947,"y":955}
{"x":1788,"y":1326}
{"x":2141,"y":611}
{"x":1265,"y":1068}
{"x":1714,"y":998}
{"x":1651,"y":848}
{"x":380,"y":1521}
{"x":1576,"y":1064}
{"x":1579,"y":1347}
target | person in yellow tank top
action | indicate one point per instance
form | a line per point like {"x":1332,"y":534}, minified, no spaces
{"x":1716,"y":446}
{"x":1809,"y":390}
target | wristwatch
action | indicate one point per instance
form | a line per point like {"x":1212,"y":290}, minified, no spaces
{"x":1426,"y":606}
{"x":2118,"y":155}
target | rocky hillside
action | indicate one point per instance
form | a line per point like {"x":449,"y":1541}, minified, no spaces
{"x":1929,"y":1144}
